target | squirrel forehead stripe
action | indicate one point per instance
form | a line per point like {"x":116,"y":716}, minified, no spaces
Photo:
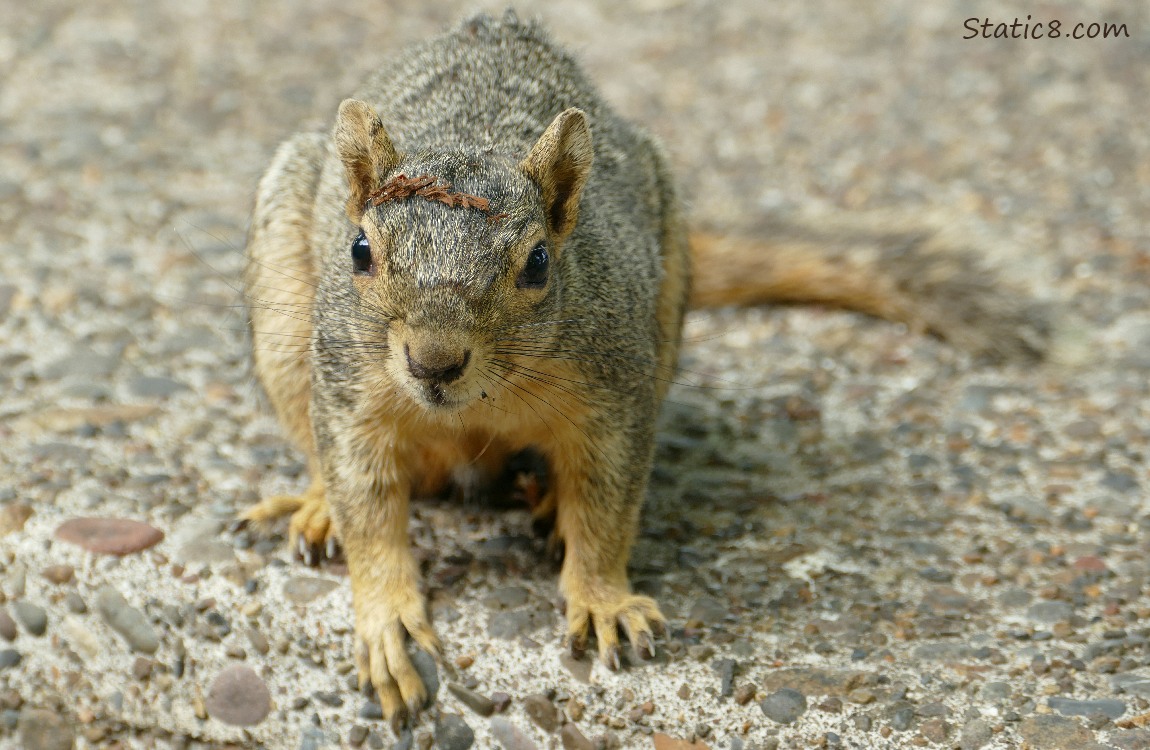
{"x":402,"y":187}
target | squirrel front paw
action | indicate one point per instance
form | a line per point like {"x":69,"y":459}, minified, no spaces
{"x":381,"y":629}
{"x":605,"y":613}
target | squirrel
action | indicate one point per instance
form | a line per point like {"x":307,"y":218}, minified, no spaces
{"x":483,"y":257}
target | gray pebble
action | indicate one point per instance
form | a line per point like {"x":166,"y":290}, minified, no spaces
{"x":31,"y":616}
{"x":155,"y":387}
{"x":129,"y":622}
{"x":784,"y":705}
{"x":238,"y":696}
{"x":1111,"y":707}
{"x":424,"y":663}
{"x":306,"y":589}
{"x":9,"y":658}
{"x":510,"y":736}
{"x":511,"y":625}
{"x":312,"y":739}
{"x":453,"y":733}
{"x":371,"y":710}
{"x":1049,"y":613}
{"x":726,"y":671}
{"x":975,"y":734}
{"x":75,"y":603}
{"x":902,"y":718}
{"x":996,"y":691}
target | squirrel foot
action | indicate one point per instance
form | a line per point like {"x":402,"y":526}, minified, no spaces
{"x":310,"y":532}
{"x":381,"y":630}
{"x":607,"y":612}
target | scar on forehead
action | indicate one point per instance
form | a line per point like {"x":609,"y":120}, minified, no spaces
{"x":401,"y":187}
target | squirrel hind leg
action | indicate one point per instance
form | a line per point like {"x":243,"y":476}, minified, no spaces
{"x":311,"y":533}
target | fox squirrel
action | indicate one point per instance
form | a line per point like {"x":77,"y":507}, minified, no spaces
{"x":501,"y":262}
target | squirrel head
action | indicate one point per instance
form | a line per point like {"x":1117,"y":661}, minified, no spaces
{"x":459,"y":250}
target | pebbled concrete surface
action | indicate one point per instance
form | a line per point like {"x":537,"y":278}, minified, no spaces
{"x":931,"y":551}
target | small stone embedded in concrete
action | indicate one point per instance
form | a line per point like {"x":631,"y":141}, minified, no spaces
{"x":1049,"y":613}
{"x":511,"y":737}
{"x":312,"y":738}
{"x":8,"y":630}
{"x":1133,"y":683}
{"x":573,"y":739}
{"x":357,"y":735}
{"x":902,"y":717}
{"x":511,"y":624}
{"x":976,"y":733}
{"x":507,"y":597}
{"x":667,"y":742}
{"x":1050,"y":732}
{"x":453,"y":733}
{"x":784,"y":706}
{"x":1110,"y":707}
{"x":238,"y":696}
{"x":129,"y":622}
{"x":744,"y":694}
{"x":146,"y":386}
{"x":425,"y":665}
{"x":371,"y":710}
{"x":306,"y":589}
{"x":936,"y":730}
{"x":726,"y":671}
{"x":45,"y":730}
{"x":480,"y":704}
{"x":580,"y":669}
{"x":13,"y":517}
{"x":542,"y":711}
{"x":9,"y":658}
{"x":142,"y":668}
{"x":109,"y":536}
{"x":258,"y":640}
{"x":58,"y":574}
{"x":31,"y":616}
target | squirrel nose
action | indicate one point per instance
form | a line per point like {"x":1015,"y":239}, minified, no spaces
{"x":437,"y":365}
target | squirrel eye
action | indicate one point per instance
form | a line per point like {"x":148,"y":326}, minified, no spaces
{"x":534,"y":274}
{"x":361,"y":254}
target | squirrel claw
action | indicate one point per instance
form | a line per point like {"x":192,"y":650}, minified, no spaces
{"x":645,"y":647}
{"x":401,"y":721}
{"x":612,"y":660}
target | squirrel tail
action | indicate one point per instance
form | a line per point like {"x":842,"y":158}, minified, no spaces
{"x":917,"y":275}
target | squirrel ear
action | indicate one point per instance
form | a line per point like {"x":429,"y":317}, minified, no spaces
{"x":365,"y":150}
{"x":559,"y":163}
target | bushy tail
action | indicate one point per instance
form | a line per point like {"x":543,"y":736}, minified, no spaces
{"x":918,"y":275}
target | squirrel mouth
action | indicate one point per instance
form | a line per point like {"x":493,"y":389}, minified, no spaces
{"x":436,"y":396}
